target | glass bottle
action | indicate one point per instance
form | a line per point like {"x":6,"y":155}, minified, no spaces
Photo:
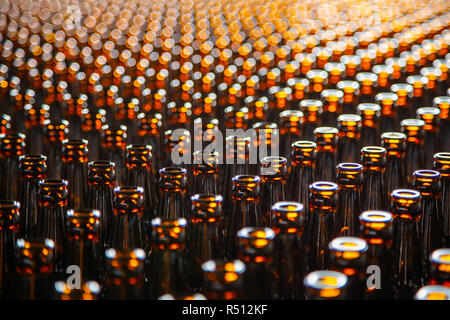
{"x":432,"y":144}
{"x":414,"y":156}
{"x":376,"y":228}
{"x":114,"y":142}
{"x":35,"y":260}
{"x":32,"y":169}
{"x":290,"y":130}
{"x":440,"y":267}
{"x":301,"y":173}
{"x":370,"y":123}
{"x":404,"y":93}
{"x":83,"y":248}
{"x":349,"y":179}
{"x":428,"y":183}
{"x":54,"y":134}
{"x":101,"y":178}
{"x":289,"y":251}
{"x":312,"y":115}
{"x":139,"y":173}
{"x":332,"y":106}
{"x":443,"y":103}
{"x":323,"y":224}
{"x":9,"y":226}
{"x":124,"y":274}
{"x":431,"y":292}
{"x":90,"y":290}
{"x":167,"y":273}
{"x":326,"y":154}
{"x":12,"y":146}
{"x":349,"y":255}
{"x":205,"y":173}
{"x":351,"y":95}
{"x":127,"y":230}
{"x":246,"y":192}
{"x":389,"y":111}
{"x":172,"y":193}
{"x":256,"y":247}
{"x":349,"y":126}
{"x":374,"y":161}
{"x":395,"y":174}
{"x":206,"y":229}
{"x":222,"y":279}
{"x":325,"y":285}
{"x":273,"y":175}
{"x":51,"y":219}
{"x":74,"y":171}
{"x":408,"y":254}
{"x":442,"y":164}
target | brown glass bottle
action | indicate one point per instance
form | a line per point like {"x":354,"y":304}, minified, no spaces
{"x":376,"y":228}
{"x":370,"y":123}
{"x":349,"y":126}
{"x":442,"y":164}
{"x":54,"y":134}
{"x":172,"y":193}
{"x":101,"y":179}
{"x":440,"y":267}
{"x":323,"y":224}
{"x":325,"y":285}
{"x":273,"y":173}
{"x":90,"y":290}
{"x":326,"y":139}
{"x":349,"y":255}
{"x":12,"y":146}
{"x":289,"y":253}
{"x":433,"y":292}
{"x":414,"y":156}
{"x":256,"y":247}
{"x":374,"y":161}
{"x":222,"y":279}
{"x":395,"y":174}
{"x":431,"y":140}
{"x":113,"y":144}
{"x":408,"y":257}
{"x":124,"y":274}
{"x":312,"y":115}
{"x":9,"y":227}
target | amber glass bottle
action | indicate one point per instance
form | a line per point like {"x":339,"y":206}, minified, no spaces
{"x":35,"y":268}
{"x":222,"y":279}
{"x":376,"y":228}
{"x":9,"y":226}
{"x":12,"y":146}
{"x":408,"y":254}
{"x":395,"y":174}
{"x":349,"y":179}
{"x":74,"y":170}
{"x":323,"y":224}
{"x":206,"y":238}
{"x":442,"y":164}
{"x":101,"y":179}
{"x":273,"y":174}
{"x":127,"y":229}
{"x":113,"y":144}
{"x":440,"y":267}
{"x":349,"y":255}
{"x":326,"y":155}
{"x":326,"y":285}
{"x":374,"y":162}
{"x":124,"y":274}
{"x":289,"y":253}
{"x":172,"y":193}
{"x":54,"y":134}
{"x":312,"y":115}
{"x":349,"y":126}
{"x":415,"y":157}
{"x":51,"y":220}
{"x":167,"y":273}
{"x":256,"y":247}
{"x":246,"y":196}
{"x":428,"y":182}
{"x":431,"y":140}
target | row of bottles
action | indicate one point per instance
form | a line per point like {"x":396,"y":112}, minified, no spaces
{"x":348,"y":114}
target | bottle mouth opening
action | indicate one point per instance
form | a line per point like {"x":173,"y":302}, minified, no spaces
{"x":234,"y":267}
{"x":83,"y":214}
{"x":442,"y":156}
{"x":426,"y":174}
{"x":54,"y":183}
{"x":288,"y":206}
{"x":9,"y":204}
{"x":127,"y":254}
{"x":441,"y":256}
{"x":346,"y":166}
{"x":326,"y":279}
{"x":406,"y":194}
{"x":256,"y":234}
{"x":374,"y":149}
{"x":368,"y":106}
{"x":175,"y":223}
{"x":33,"y":158}
{"x":247,"y":178}
{"x":135,"y":191}
{"x":324,"y":186}
{"x":172,"y":171}
{"x":376,"y":216}
{"x":348,"y":244}
{"x":393,"y":135}
{"x":206,"y":198}
{"x":304,"y":144}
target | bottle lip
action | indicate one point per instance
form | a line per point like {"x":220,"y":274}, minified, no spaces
{"x":253,"y":233}
{"x":129,"y":190}
{"x":306,"y":103}
{"x":172,"y":171}
{"x":441,"y":256}
{"x":179,"y":222}
{"x":368,"y":106}
{"x":54,"y":184}
{"x":393,"y":135}
{"x":9,"y":205}
{"x":433,"y":292}
{"x":428,"y":111}
{"x":83,"y":214}
{"x":32,"y":158}
{"x":348,"y":244}
{"x":442,"y":156}
{"x":101,"y":165}
{"x":37,"y":243}
{"x":112,"y":254}
{"x":246,"y":179}
{"x":373,"y":150}
{"x":377,"y":216}
{"x":324,"y":186}
{"x":326,"y":279}
{"x":326,"y":131}
{"x":288,"y":206}
{"x":304,"y":144}
{"x":350,"y":167}
{"x":348,"y":117}
{"x":73,"y":143}
{"x":206,"y":198}
{"x":232,"y":266}
{"x":426,"y":174}
{"x":405,"y":194}
{"x":88,"y":287}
